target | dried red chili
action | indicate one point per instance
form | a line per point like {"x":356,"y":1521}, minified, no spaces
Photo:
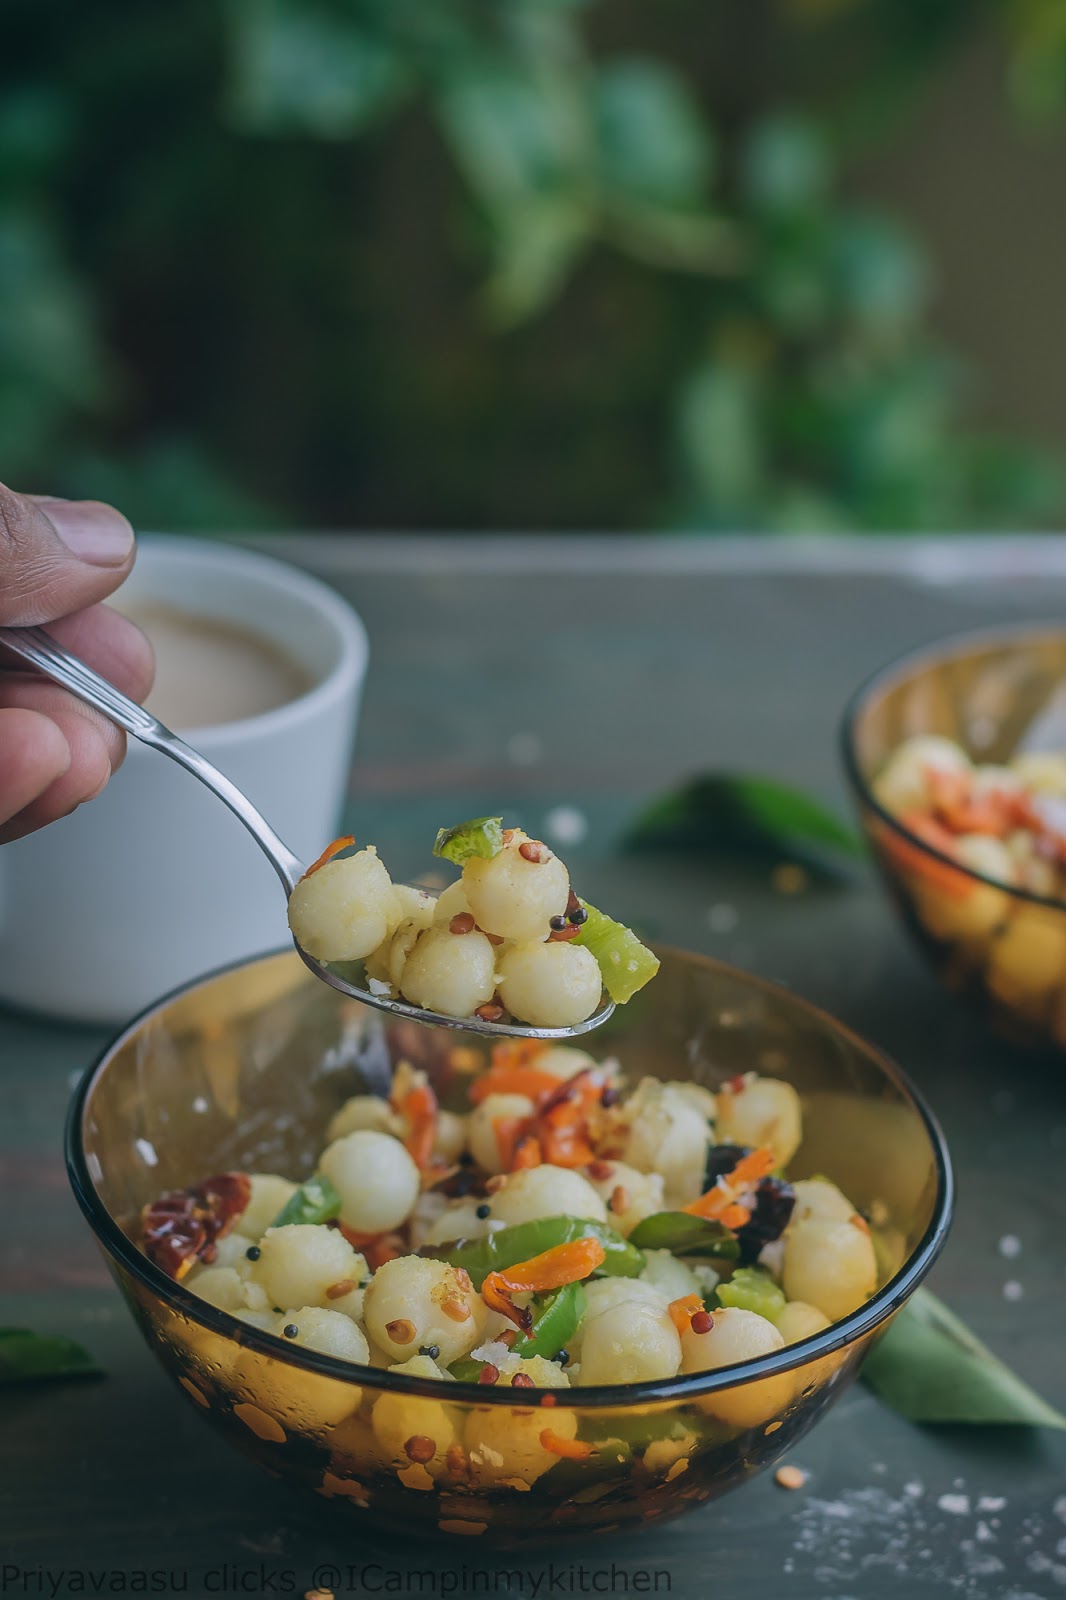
{"x":184,"y":1225}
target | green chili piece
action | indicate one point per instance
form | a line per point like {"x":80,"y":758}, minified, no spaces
{"x":467,"y":1370}
{"x":685,"y":1235}
{"x":481,"y":836}
{"x":314,"y":1201}
{"x":625,"y":964}
{"x":753,"y":1289}
{"x":504,"y":1248}
{"x":555,"y":1321}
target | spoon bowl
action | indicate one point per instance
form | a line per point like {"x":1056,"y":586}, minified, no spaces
{"x":39,"y":650}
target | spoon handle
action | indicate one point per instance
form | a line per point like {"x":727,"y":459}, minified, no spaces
{"x":39,"y":649}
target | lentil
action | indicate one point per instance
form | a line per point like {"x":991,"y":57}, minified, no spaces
{"x":790,"y":1477}
{"x":336,"y":1291}
{"x":400,"y":1331}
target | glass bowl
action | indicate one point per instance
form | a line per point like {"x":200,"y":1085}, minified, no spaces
{"x":993,"y":693}
{"x":245,"y":1069}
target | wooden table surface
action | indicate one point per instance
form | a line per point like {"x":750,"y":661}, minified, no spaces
{"x":565,"y":681}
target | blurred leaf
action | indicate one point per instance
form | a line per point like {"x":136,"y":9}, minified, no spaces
{"x":301,"y":67}
{"x":785,"y":166}
{"x":881,"y":276}
{"x":1037,"y":34}
{"x":802,"y":509}
{"x":678,"y":241}
{"x":27,"y":1357}
{"x":516,"y":132}
{"x":791,"y":276}
{"x":171,"y":484}
{"x":721,"y":434}
{"x":521,"y":139}
{"x":653,"y":141}
{"x":536,"y":244}
{"x":36,"y":126}
{"x":1014,"y":483}
{"x":723,"y":812}
{"x":930,"y":1368}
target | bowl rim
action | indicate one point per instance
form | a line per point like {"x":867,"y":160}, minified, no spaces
{"x":118,"y":1246}
{"x":944,"y":648}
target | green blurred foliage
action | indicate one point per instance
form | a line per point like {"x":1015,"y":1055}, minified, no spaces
{"x":488,"y":263}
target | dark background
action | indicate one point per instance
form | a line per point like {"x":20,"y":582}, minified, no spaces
{"x":757,"y":265}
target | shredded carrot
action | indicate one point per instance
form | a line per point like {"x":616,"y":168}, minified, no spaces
{"x":562,"y":1264}
{"x":558,"y":1131}
{"x":518,"y":1052}
{"x":376,"y":1247}
{"x":527,"y":1154}
{"x":419,"y":1106}
{"x":955,"y":804}
{"x":329,"y":852}
{"x":562,"y":1122}
{"x":682,"y":1311}
{"x":566,"y":1147}
{"x":569,"y":1449}
{"x":513,"y":1080}
{"x":734,"y":1217}
{"x":722,"y":1197}
{"x":911,"y":858}
{"x":508,"y":1132}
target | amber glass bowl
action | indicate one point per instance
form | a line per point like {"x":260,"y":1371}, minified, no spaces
{"x":994,"y":694}
{"x":245,"y":1069}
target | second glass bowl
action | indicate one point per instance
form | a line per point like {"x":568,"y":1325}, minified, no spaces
{"x":993,"y":694}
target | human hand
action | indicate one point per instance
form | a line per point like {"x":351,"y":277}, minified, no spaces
{"x":58,"y":560}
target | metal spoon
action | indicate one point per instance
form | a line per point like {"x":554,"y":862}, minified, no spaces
{"x":39,"y":649}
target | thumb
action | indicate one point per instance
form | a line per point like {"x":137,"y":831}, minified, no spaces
{"x":58,"y":556}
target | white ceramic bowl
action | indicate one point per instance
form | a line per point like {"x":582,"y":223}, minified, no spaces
{"x":155,"y":882}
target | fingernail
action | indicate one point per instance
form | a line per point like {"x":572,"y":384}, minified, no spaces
{"x":93,"y":532}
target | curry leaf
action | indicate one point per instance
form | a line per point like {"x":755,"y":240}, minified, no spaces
{"x":300,"y":69}
{"x":27,"y":1357}
{"x":685,"y":1235}
{"x":930,"y":1368}
{"x":721,"y":811}
{"x":653,"y":139}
